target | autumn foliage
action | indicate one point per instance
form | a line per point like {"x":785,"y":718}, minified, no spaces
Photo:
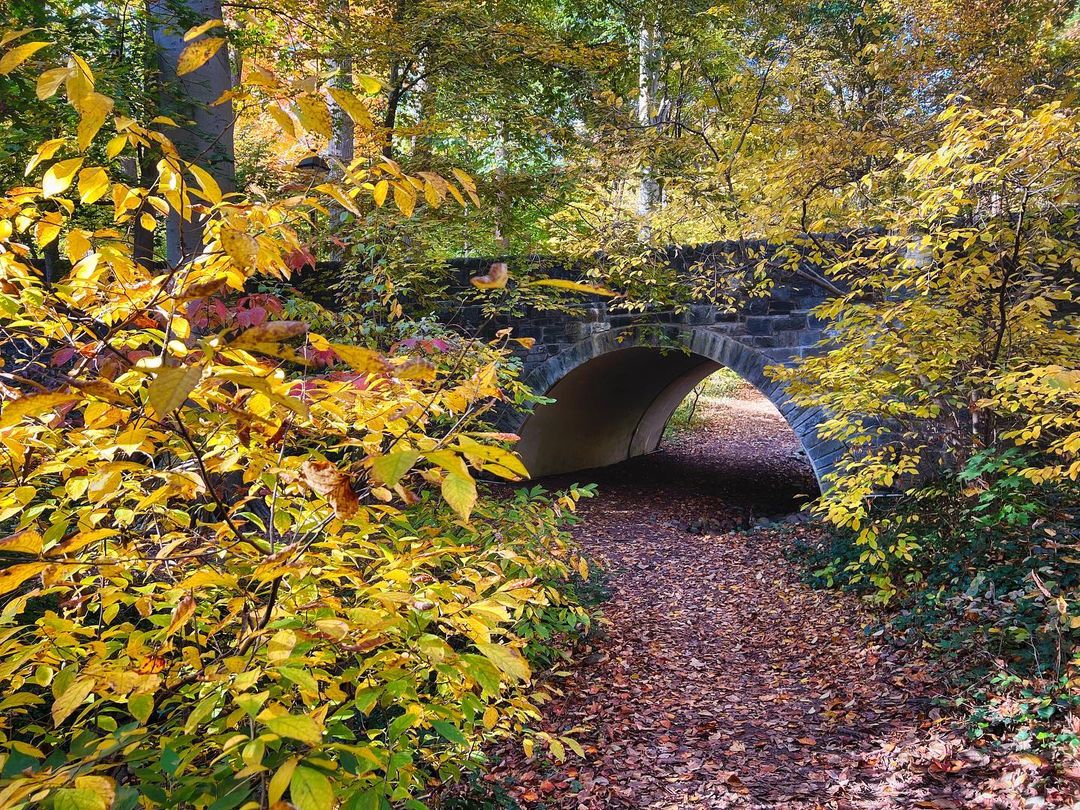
{"x":246,"y":564}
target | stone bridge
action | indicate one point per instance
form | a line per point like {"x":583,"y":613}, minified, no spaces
{"x":616,"y":378}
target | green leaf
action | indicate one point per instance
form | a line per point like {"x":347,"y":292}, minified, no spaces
{"x":296,"y":727}
{"x":370,"y":799}
{"x":78,"y":799}
{"x":141,"y":706}
{"x":460,"y":492}
{"x":390,"y":468}
{"x":302,"y":678}
{"x":449,"y":731}
{"x":506,"y":659}
{"x":309,"y":789}
{"x":402,"y":723}
{"x":251,"y":703}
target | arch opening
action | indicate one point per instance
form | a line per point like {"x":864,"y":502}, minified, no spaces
{"x":614,"y":396}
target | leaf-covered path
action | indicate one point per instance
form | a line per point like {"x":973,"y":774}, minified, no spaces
{"x":723,"y":681}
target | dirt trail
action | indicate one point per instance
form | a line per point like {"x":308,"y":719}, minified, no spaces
{"x":721,"y":680}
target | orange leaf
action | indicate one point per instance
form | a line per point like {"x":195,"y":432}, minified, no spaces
{"x":183,"y":611}
{"x":495,"y":278}
{"x":324,"y":478}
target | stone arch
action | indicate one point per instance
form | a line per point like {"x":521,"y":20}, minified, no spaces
{"x":614,"y":393}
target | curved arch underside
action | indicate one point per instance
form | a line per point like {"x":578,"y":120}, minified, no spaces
{"x":614,"y":397}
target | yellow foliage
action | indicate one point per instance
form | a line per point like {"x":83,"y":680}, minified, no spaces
{"x":234,"y":570}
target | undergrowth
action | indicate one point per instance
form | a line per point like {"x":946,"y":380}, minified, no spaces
{"x":991,"y":587}
{"x":687,"y":415}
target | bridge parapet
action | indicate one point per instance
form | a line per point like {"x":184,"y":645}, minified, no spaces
{"x":781,"y":325}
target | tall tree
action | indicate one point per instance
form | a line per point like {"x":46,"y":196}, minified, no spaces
{"x":195,"y":99}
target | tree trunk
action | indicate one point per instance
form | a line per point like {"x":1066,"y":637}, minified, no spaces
{"x":390,"y":119}
{"x":204,"y":133}
{"x":648,"y":88}
{"x":342,"y":144}
{"x":502,"y":212}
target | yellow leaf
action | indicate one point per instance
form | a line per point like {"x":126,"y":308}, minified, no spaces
{"x":296,"y":727}
{"x":337,"y":194}
{"x":506,"y":659}
{"x":93,"y":184}
{"x":310,"y":789}
{"x":16,"y":56}
{"x":171,"y":387}
{"x":115,"y":146}
{"x":45,"y":151}
{"x":314,"y":115}
{"x":80,"y":80}
{"x":240,"y":246}
{"x":280,"y":780}
{"x":183,"y":611}
{"x":11,"y":36}
{"x":59,"y":176}
{"x":583,"y":568}
{"x":33,"y":405}
{"x":460,"y":492}
{"x":468,"y":184}
{"x":78,"y":245}
{"x":27,"y":541}
{"x":359,"y":359}
{"x":197,"y":54}
{"x":284,"y":120}
{"x":49,"y":82}
{"x":69,"y":700}
{"x":48,"y":228}
{"x":431,"y":194}
{"x":199,"y":30}
{"x":572,"y":286}
{"x":405,"y":199}
{"x":101,"y":786}
{"x":369,"y":84}
{"x":353,"y":107}
{"x":11,"y":578}
{"x":210,"y":189}
{"x":379,"y":194}
{"x":280,"y":646}
{"x":557,"y":750}
{"x":93,"y":109}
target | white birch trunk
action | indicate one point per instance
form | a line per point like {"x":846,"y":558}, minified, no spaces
{"x":648,"y":89}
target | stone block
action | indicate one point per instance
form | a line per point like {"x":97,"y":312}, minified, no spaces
{"x":759,"y":325}
{"x":763,"y":341}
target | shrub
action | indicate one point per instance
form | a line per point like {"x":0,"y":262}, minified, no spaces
{"x":228,"y":580}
